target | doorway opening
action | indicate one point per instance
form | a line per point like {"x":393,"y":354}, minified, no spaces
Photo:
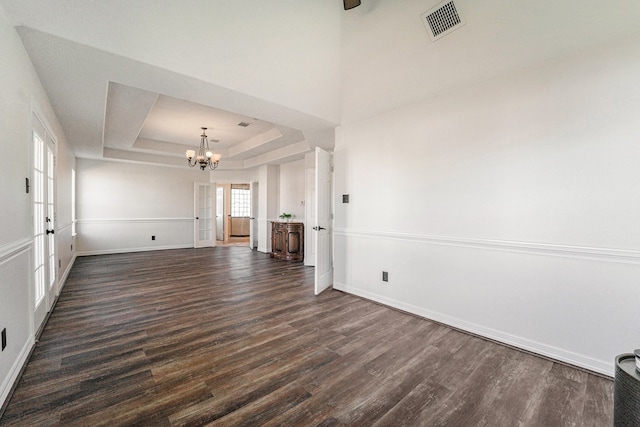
{"x":233,"y":214}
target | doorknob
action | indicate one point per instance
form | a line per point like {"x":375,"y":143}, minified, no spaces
{"x":197,"y":217}
{"x":318,"y":228}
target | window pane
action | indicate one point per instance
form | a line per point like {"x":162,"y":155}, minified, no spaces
{"x":240,"y":202}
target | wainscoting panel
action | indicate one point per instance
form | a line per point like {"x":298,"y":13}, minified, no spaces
{"x":66,"y":252}
{"x":15,"y":310}
{"x":104,"y":236}
{"x":574,"y":304}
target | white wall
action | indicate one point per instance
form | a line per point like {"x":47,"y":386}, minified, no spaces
{"x":22,"y":93}
{"x":282,"y":189}
{"x":65,"y":240}
{"x":121,"y":205}
{"x":508,"y":207}
{"x":292,"y":190}
{"x":267,"y":204}
{"x":239,"y":176}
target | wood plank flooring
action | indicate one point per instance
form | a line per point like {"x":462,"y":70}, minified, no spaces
{"x":228,"y":336}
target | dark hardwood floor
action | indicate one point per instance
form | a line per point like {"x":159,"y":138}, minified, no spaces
{"x":227,"y":336}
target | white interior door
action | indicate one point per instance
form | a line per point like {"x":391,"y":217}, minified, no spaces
{"x":220,"y":213}
{"x":204,"y":233}
{"x":253,"y":219}
{"x":324,"y":267}
{"x":44,"y":243}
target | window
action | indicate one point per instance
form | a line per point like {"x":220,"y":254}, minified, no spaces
{"x":240,"y":200}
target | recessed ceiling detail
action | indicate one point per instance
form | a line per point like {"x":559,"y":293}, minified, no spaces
{"x":442,"y":20}
{"x":146,"y":126}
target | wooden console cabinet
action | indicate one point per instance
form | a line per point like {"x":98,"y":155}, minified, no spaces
{"x":287,"y":241}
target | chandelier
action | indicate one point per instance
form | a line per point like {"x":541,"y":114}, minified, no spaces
{"x":205,"y":156}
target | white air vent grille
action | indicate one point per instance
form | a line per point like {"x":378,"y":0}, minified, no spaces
{"x":442,"y":19}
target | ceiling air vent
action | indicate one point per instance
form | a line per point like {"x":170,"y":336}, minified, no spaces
{"x":442,"y":19}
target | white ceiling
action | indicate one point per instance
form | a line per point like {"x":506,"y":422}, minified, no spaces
{"x":135,"y":81}
{"x":389,"y":61}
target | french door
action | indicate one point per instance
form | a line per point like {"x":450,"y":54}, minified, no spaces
{"x":204,"y":205}
{"x":253,"y":219}
{"x":44,"y":220}
{"x":220,"y":213}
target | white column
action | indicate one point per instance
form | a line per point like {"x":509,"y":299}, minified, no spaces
{"x":268,"y":178}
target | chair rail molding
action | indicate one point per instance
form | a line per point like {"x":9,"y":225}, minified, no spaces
{"x":531,"y":248}
{"x":12,"y":249}
{"x":132,"y":220}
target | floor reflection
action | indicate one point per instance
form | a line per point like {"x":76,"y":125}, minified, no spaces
{"x":234,"y":241}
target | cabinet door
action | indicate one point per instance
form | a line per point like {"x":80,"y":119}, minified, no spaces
{"x":293,"y":242}
{"x":278,"y":240}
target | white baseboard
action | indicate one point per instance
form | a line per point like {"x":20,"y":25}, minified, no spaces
{"x":67,"y":270}
{"x":10,"y":380}
{"x":559,"y":354}
{"x":6,"y":386}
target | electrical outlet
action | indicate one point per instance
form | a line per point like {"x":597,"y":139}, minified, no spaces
{"x":4,"y":339}
{"x":153,"y":237}
{"x":385,"y":276}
